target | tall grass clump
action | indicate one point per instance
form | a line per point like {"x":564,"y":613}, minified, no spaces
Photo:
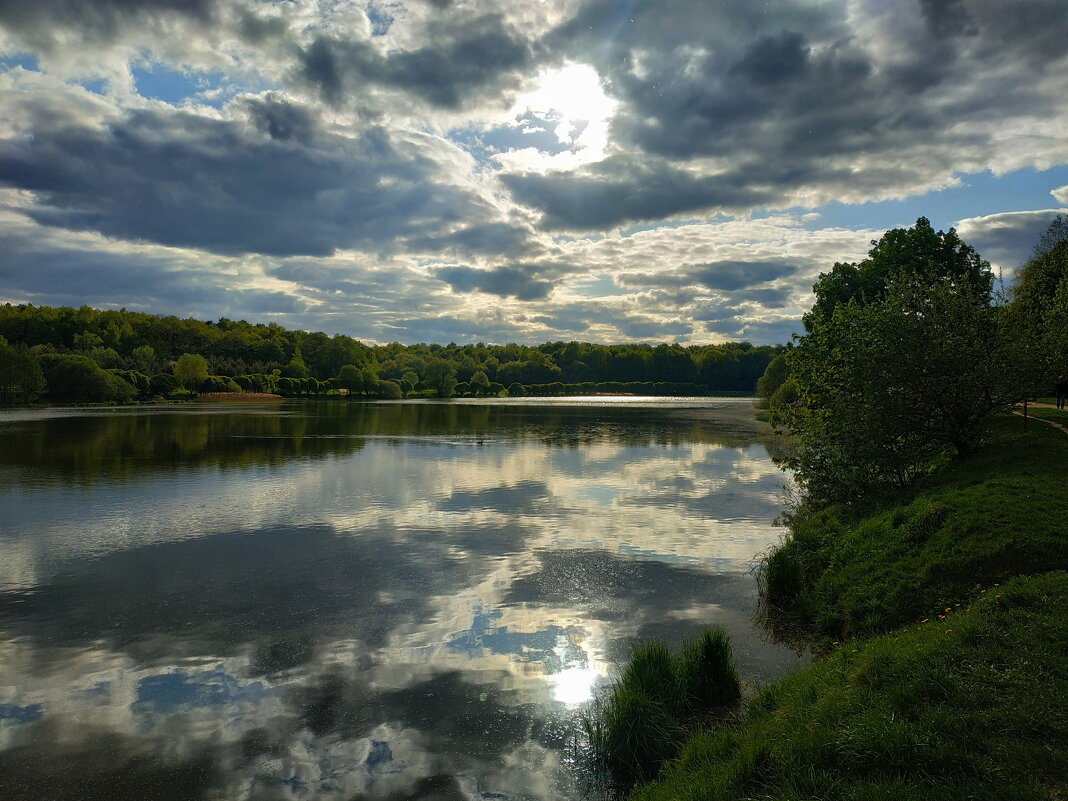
{"x":707,"y":673}
{"x":642,"y":720}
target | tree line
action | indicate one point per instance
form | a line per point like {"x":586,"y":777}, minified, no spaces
{"x":63,"y":354}
{"x":907,"y":354}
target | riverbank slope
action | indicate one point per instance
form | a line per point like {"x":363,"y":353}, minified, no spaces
{"x":941,"y":611}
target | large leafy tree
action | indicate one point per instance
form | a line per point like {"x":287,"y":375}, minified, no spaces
{"x":904,"y":358}
{"x":21,"y":379}
{"x":191,"y":369}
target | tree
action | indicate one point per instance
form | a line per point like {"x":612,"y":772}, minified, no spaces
{"x":775,"y":375}
{"x":903,"y":361}
{"x":440,"y":376}
{"x":143,"y":360}
{"x":75,"y":378}
{"x":479,"y":383}
{"x":21,"y":379}
{"x":358,"y":380}
{"x":1055,"y":233}
{"x":296,"y":367}
{"x":191,"y":370}
{"x":1038,"y":320}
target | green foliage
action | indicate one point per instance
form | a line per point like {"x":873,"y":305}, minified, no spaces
{"x":143,"y":360}
{"x":639,"y":723}
{"x":389,"y":390}
{"x":706,"y":671}
{"x":440,"y":376}
{"x":1037,"y":320}
{"x":479,"y":383}
{"x":358,"y":380}
{"x":916,"y":255}
{"x":21,"y":378}
{"x":785,"y":395}
{"x":74,"y":378}
{"x":164,"y":384}
{"x":999,"y":514}
{"x":1055,"y":234}
{"x":143,"y":342}
{"x":972,"y":707}
{"x":296,"y":367}
{"x":191,"y":370}
{"x":904,"y":359}
{"x":219,"y":383}
{"x":139,"y":381}
{"x":516,"y":390}
{"x":776,"y":374}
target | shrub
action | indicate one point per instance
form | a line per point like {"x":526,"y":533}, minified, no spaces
{"x":164,"y":384}
{"x":74,"y":378}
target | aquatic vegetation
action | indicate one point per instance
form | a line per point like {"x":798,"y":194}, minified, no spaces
{"x":660,"y":697}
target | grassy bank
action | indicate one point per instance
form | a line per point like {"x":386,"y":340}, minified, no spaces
{"x":942,"y":613}
{"x":1000,"y":514}
{"x":973,"y":707}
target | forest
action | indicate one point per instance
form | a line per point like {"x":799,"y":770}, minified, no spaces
{"x":85,"y":355}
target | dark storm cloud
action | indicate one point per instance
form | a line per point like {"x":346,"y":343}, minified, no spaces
{"x":638,"y":327}
{"x":497,"y":238}
{"x":99,"y":20}
{"x":1008,"y":239}
{"x":277,"y":186}
{"x":726,"y":275}
{"x":521,"y":282}
{"x":45,"y":272}
{"x":623,"y":188}
{"x":466,"y":56}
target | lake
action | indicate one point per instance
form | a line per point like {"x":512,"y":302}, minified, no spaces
{"x":408,"y":600}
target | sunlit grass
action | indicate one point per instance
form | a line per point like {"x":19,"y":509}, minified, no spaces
{"x":971,"y":707}
{"x":1000,"y":514}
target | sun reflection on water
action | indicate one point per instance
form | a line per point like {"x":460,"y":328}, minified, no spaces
{"x":574,"y":685}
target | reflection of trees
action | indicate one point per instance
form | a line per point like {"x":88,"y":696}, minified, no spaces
{"x":124,"y":444}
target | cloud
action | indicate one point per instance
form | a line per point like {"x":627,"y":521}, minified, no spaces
{"x":520,"y":282}
{"x":278,"y":183}
{"x":726,"y":275}
{"x":1060,"y":194}
{"x":380,"y":168}
{"x":466,"y":56}
{"x":1007,"y":239}
{"x":800,"y":105}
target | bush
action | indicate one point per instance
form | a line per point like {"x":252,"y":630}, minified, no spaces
{"x":219,"y":383}
{"x":164,"y":384}
{"x":73,"y":378}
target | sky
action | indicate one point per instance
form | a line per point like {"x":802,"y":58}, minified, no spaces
{"x":513,"y":170}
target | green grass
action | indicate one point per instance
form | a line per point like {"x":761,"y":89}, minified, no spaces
{"x":1056,"y":415}
{"x":972,"y":707}
{"x":1000,"y":514}
{"x":643,"y":719}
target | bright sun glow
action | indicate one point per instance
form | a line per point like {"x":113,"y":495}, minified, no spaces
{"x":572,"y":98}
{"x":574,"y":685}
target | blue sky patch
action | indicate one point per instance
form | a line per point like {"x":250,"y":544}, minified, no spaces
{"x":173,"y":87}
{"x":1022,"y":189}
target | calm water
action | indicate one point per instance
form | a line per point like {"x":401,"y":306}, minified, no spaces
{"x":365,"y":601}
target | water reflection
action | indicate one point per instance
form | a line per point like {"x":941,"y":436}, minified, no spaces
{"x":355,"y":601}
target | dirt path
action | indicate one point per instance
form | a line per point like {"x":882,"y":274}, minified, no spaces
{"x":1019,"y":413}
